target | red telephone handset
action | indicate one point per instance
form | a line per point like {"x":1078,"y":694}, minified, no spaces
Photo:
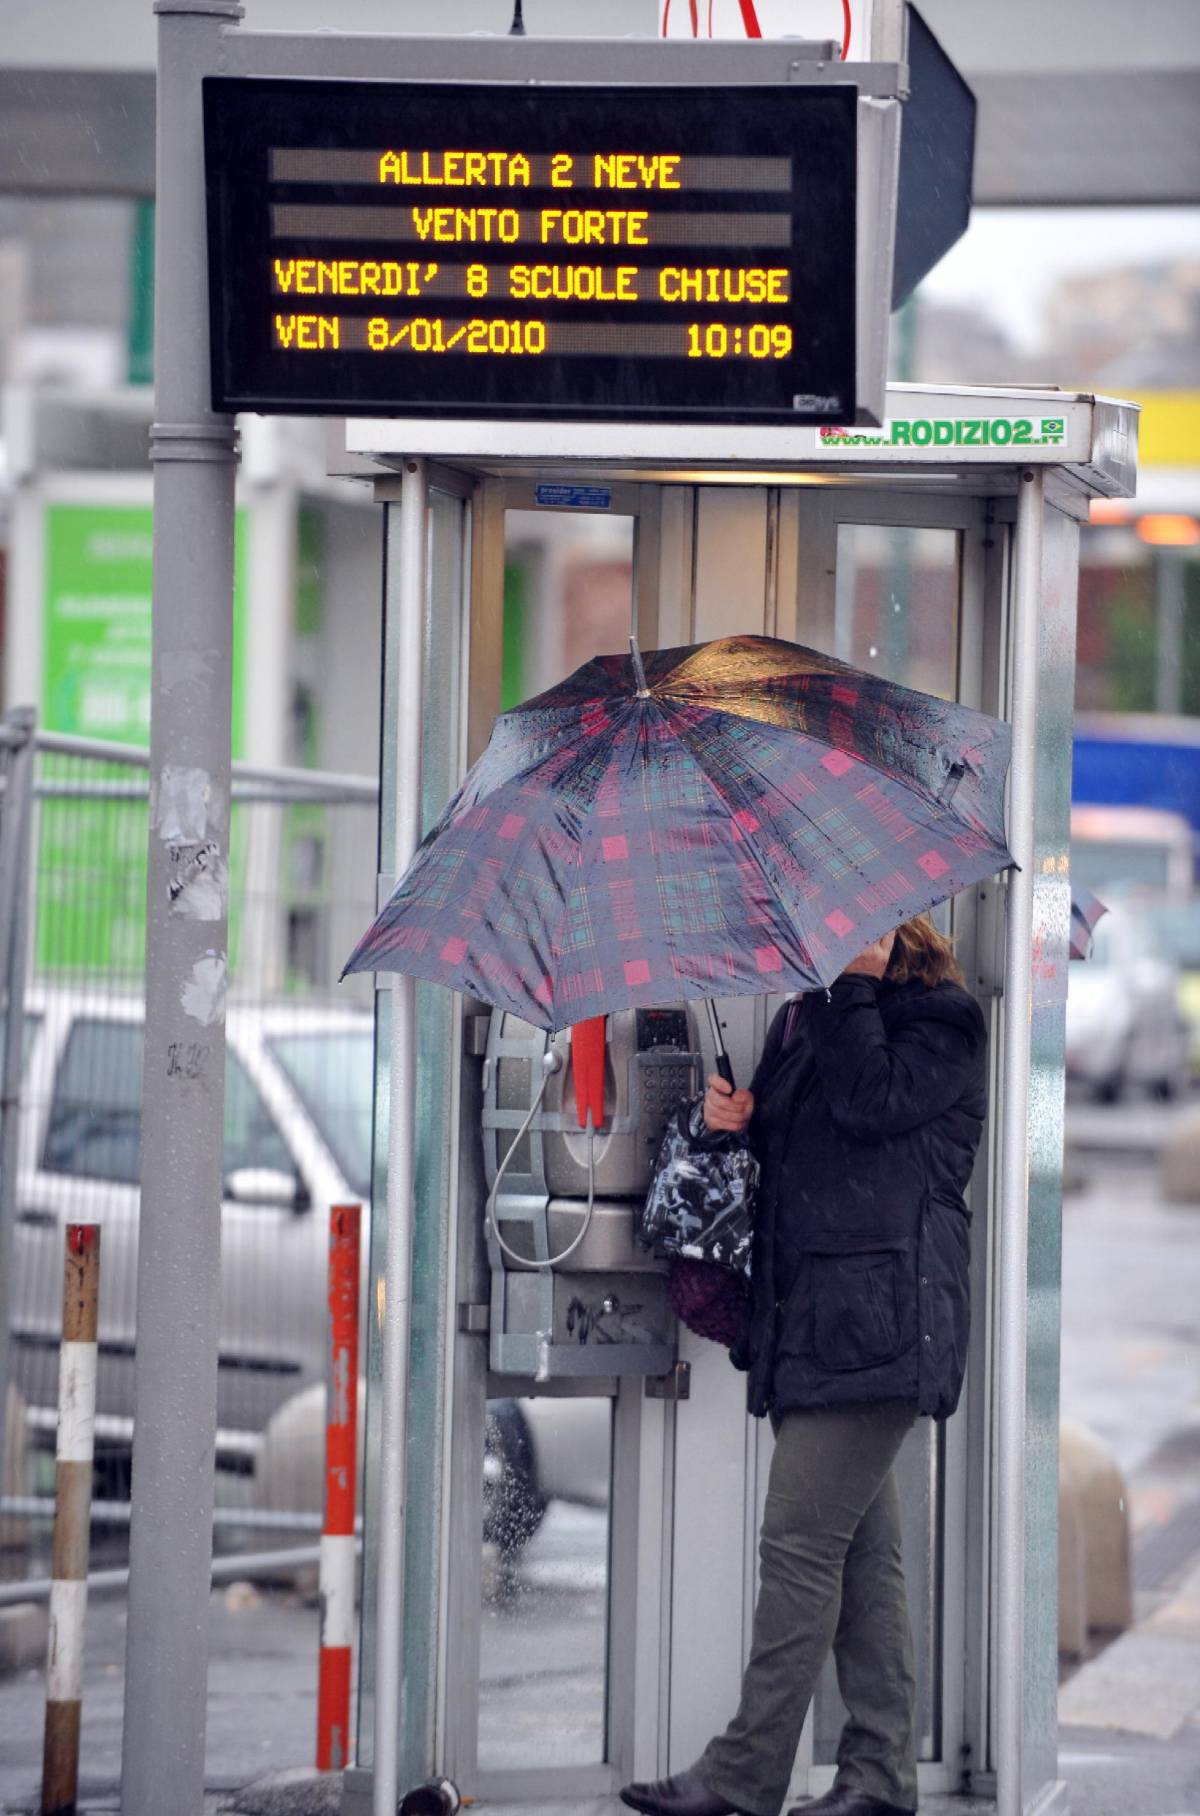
{"x":587,"y":1066}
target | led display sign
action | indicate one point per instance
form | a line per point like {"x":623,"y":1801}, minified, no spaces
{"x":682,"y":253}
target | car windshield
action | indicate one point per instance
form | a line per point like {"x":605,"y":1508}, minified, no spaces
{"x":332,"y":1072}
{"x":1097,"y":863}
{"x":1177,"y":929}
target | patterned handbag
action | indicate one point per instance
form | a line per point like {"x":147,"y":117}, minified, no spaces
{"x":700,"y":1205}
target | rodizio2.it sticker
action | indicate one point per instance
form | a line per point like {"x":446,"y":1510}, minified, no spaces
{"x":951,"y":432}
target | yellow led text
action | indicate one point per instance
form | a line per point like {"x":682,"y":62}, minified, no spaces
{"x":567,"y":226}
{"x":593,"y":227}
{"x":718,"y":284}
{"x":624,"y":170}
{"x":308,"y":333}
{"x":454,"y":226}
{"x":457,"y":169}
{"x":577,"y":283}
{"x":352,"y":277}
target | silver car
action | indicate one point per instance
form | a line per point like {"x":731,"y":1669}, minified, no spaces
{"x":1125,"y":1029}
{"x":297,"y":1139}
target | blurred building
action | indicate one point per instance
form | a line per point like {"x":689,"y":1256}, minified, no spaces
{"x":1127,"y":326}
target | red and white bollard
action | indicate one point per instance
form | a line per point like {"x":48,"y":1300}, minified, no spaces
{"x":341,"y":1460}
{"x":72,"y":1519}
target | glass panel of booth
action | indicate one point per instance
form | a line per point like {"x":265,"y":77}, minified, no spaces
{"x":547,"y":1461}
{"x":543,"y":1637}
{"x":568,"y":591}
{"x":437,"y":1012}
{"x":896,"y":603}
{"x":897,"y":613}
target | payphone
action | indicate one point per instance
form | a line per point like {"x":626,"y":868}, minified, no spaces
{"x":573,"y":1293}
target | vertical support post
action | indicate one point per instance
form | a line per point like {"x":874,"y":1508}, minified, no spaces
{"x":72,"y":1519}
{"x":1012,"y":1310}
{"x":192,"y":449}
{"x":1170,"y":600}
{"x":16,"y":829}
{"x":389,"y":1617}
{"x":341,"y":1463}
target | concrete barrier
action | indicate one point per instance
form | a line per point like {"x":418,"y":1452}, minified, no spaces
{"x":1095,"y":1576}
{"x":1180,"y":1161}
{"x":1072,"y":1576}
{"x":14,"y":1467}
{"x":24,"y":1626}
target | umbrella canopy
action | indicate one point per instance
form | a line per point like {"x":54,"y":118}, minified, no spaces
{"x":735,"y":818}
{"x":1086,"y":911}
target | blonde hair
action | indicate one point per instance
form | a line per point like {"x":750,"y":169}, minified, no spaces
{"x":921,"y":951}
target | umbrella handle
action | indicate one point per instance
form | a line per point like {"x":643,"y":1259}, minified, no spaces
{"x":723,"y":1066}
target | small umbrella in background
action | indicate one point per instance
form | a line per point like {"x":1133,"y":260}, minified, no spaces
{"x":729,"y":819}
{"x":1086,"y":911}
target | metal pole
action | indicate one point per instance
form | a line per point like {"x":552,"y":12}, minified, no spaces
{"x":1014,"y":1157}
{"x":16,"y":826}
{"x":179,"y":1266}
{"x":72,"y":1519}
{"x":401,"y":1130}
{"x":1169,"y":600}
{"x":341,"y":1470}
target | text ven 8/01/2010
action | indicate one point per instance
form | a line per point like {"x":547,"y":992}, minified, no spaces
{"x":500,"y":335}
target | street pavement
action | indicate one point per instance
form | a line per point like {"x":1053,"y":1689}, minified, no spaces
{"x":1129,"y":1732}
{"x":1130,"y":1735}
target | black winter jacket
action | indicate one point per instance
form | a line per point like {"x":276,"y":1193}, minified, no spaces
{"x":866,"y":1125}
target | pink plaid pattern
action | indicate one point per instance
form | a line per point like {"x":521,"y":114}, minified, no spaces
{"x":740,"y":831}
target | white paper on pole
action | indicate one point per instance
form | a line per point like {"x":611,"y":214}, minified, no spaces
{"x":76,"y":1402}
{"x":776,"y":19}
{"x":337,"y":1589}
{"x":64,"y":1656}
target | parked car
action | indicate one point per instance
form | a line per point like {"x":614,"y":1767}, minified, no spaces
{"x":1132,"y":848}
{"x":537,"y":1450}
{"x":1125,"y":1028}
{"x":1177,"y":929}
{"x":298,"y":1102}
{"x":297,"y":1139}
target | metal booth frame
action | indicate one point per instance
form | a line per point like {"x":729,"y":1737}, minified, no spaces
{"x":1017,"y":508}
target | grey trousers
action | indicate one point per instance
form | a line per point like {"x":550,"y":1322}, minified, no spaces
{"x":831,"y":1575}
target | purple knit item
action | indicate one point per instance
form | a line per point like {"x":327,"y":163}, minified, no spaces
{"x":708,"y":1298}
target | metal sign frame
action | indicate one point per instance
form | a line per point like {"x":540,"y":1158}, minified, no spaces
{"x":636,"y":64}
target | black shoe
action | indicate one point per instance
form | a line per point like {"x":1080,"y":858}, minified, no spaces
{"x":843,"y":1801}
{"x":683,"y":1795}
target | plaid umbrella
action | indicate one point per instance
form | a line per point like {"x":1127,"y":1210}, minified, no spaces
{"x":739,"y":817}
{"x":1086,"y":911}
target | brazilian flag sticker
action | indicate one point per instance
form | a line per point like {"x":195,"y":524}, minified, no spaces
{"x":1053,"y":428}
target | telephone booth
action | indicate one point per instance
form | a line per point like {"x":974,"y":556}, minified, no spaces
{"x":939,"y":550}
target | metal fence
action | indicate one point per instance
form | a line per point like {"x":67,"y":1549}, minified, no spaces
{"x":73,"y":840}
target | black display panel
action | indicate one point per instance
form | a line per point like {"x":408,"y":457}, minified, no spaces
{"x":443,"y":249}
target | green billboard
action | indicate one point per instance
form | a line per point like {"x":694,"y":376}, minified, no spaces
{"x":96,"y":624}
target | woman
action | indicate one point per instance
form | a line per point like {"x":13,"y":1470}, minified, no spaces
{"x":865,"y":1112}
